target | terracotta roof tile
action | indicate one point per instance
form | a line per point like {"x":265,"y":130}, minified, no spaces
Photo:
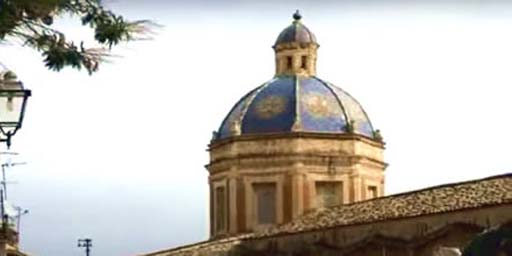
{"x":445,"y":198}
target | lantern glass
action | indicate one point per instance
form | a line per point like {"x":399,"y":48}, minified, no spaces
{"x":3,"y":137}
{"x":12,"y":106}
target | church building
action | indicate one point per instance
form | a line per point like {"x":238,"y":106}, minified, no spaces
{"x":297,"y":168}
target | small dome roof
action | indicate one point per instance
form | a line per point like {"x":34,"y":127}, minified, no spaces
{"x":296,"y":32}
{"x":293,"y":103}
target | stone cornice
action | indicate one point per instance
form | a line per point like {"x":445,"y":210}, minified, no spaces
{"x":279,"y":160}
{"x":312,"y":135}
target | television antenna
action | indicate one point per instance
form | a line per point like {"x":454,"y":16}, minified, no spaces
{"x":87,"y":244}
{"x":19,"y":212}
{"x":9,"y":153}
{"x":4,"y":181}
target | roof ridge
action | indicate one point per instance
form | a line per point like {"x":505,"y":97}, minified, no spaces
{"x":305,"y":224}
{"x":335,"y":95}
{"x":505,"y":175}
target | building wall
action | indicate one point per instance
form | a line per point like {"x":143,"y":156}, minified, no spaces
{"x":418,"y":236}
{"x":294,"y":163}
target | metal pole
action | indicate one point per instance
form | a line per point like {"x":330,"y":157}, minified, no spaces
{"x":4,"y":180}
{"x":4,"y":183}
{"x":18,"y":222}
{"x":2,"y":190}
{"x":87,"y":243}
{"x":20,"y":212}
{"x":2,"y":206}
{"x":3,"y":231}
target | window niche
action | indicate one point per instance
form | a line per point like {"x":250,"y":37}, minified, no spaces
{"x":371,"y":192}
{"x":220,"y":209}
{"x":265,"y":196}
{"x":328,"y":193}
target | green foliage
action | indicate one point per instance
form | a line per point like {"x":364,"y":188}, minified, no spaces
{"x":32,"y":20}
{"x":493,"y":242}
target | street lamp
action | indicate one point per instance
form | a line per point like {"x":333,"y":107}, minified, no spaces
{"x":13,"y":99}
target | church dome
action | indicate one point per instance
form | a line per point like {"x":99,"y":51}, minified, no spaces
{"x":296,"y":104}
{"x":296,"y":32}
{"x":296,"y":100}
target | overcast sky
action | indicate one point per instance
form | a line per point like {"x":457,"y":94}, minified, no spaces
{"x":119,"y":156}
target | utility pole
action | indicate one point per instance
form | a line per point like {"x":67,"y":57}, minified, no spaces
{"x":3,"y":233}
{"x":87,"y":243}
{"x":5,"y":225}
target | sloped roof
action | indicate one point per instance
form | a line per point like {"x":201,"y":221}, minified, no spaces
{"x":296,"y":33}
{"x":434,"y":200}
{"x":491,"y":191}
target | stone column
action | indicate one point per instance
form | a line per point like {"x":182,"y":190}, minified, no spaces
{"x":212,"y":229}
{"x":297,"y":195}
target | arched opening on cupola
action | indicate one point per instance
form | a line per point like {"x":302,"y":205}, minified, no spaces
{"x":304,"y":62}
{"x":289,"y":63}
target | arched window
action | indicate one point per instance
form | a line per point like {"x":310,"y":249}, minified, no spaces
{"x":304,"y":62}
{"x":289,"y":63}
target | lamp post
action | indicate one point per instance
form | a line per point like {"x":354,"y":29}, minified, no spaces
{"x":13,"y":100}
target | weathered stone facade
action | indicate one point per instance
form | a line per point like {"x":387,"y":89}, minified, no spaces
{"x":294,"y":162}
{"x":417,"y":223}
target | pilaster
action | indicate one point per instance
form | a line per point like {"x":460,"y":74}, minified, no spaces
{"x":297,"y":194}
{"x":232,"y":199}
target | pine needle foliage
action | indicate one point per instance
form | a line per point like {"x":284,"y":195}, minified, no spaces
{"x":32,"y":22}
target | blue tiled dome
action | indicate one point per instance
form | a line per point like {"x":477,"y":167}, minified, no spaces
{"x":288,"y":104}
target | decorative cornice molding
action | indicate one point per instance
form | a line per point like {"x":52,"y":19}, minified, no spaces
{"x":279,"y":160}
{"x":312,"y":135}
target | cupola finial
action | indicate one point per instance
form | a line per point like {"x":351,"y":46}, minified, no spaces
{"x":297,"y":16}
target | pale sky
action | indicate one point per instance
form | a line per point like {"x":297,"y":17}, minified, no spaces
{"x":119,"y":156}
